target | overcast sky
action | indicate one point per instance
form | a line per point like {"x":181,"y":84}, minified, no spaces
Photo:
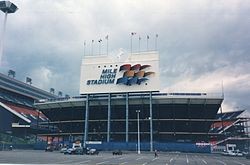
{"x":202,"y":43}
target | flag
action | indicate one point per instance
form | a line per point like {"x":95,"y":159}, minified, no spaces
{"x":133,"y":33}
{"x":28,"y":80}
{"x":147,"y":37}
{"x":107,"y":37}
{"x":92,"y":41}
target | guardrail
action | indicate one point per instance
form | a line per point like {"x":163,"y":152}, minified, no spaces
{"x":133,"y":95}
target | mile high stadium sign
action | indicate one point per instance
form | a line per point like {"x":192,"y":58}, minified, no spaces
{"x":136,"y":73}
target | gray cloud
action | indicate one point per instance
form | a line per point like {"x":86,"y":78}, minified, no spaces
{"x":201,"y":43}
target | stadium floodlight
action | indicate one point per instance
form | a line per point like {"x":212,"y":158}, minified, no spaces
{"x":52,"y":90}
{"x":138,"y":131}
{"x":28,"y":80}
{"x":6,"y":7}
{"x":60,"y":93}
{"x":12,"y":73}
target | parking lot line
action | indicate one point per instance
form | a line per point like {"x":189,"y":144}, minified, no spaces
{"x":154,"y":159}
{"x":84,"y":162}
{"x":239,"y":163}
{"x":204,"y":161}
{"x":108,"y":157}
{"x":222,"y":162}
{"x":122,"y":158}
{"x":66,"y":161}
{"x":102,"y":162}
{"x":187,"y":159}
{"x":123,"y":163}
{"x":139,"y":158}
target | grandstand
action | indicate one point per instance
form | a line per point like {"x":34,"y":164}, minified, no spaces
{"x":231,"y":128}
{"x":18,"y":117}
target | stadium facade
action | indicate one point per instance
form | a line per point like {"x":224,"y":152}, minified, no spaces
{"x":121,"y":91}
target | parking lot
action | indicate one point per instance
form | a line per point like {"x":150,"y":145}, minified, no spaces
{"x":106,"y":158}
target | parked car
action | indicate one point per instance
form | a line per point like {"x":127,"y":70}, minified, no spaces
{"x":232,"y":153}
{"x":248,"y":156}
{"x":92,"y":151}
{"x":117,"y":152}
{"x":68,"y":151}
{"x":238,"y":153}
{"x":49,"y":148}
{"x":75,"y":151}
{"x":81,"y":151}
{"x":64,"y":149}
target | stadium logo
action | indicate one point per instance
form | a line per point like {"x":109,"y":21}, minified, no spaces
{"x":134,"y":74}
{"x":107,"y":77}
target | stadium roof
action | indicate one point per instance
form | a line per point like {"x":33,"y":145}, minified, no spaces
{"x":22,"y":88}
{"x":229,"y":115}
{"x":135,"y":98}
{"x":28,"y":115}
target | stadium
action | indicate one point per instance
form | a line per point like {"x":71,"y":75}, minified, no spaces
{"x":119,"y":92}
{"x":120,"y":107}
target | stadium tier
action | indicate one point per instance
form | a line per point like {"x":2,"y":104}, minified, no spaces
{"x":231,"y":128}
{"x":175,"y":117}
{"x":18,"y":116}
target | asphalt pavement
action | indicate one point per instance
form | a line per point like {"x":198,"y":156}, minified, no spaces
{"x":128,"y":158}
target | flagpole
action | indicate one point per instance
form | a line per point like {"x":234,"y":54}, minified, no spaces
{"x":139,"y":44}
{"x":107,"y":38}
{"x":84,"y":48}
{"x":133,"y":33}
{"x":100,"y":40}
{"x":92,"y":47}
{"x":156,"y":37}
{"x":147,"y":42}
{"x":131,"y":43}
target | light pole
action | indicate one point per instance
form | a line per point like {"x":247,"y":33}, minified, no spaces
{"x":6,"y":7}
{"x":138,"y":131}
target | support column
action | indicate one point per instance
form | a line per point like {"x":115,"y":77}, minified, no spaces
{"x":109,"y":115}
{"x":205,"y":117}
{"x":86,"y":121}
{"x":222,"y":124}
{"x":151,"y":121}
{"x":127,"y":117}
{"x":189,"y":119}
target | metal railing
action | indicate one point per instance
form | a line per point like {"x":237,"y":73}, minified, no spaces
{"x":134,"y":95}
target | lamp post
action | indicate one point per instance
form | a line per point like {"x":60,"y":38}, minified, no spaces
{"x":6,"y":7}
{"x":138,"y":131}
{"x":37,"y":123}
